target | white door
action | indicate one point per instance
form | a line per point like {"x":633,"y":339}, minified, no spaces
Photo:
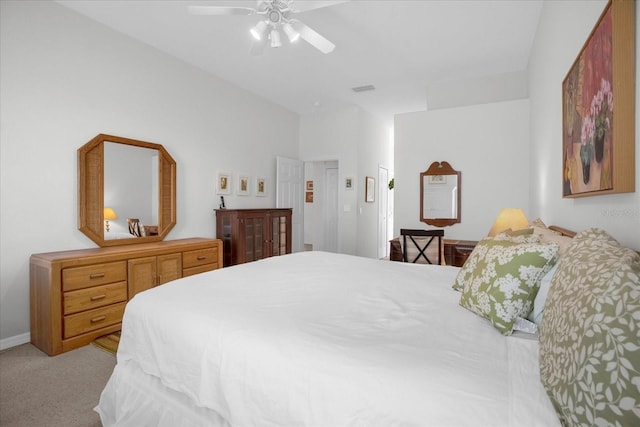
{"x":383,"y":188}
{"x":289,"y":192}
{"x":331,"y":210}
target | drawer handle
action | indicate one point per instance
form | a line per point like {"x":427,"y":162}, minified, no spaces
{"x":96,"y":275}
{"x":201,"y":258}
{"x":98,"y":297}
{"x":98,"y":319}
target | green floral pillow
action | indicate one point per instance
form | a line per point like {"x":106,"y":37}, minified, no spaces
{"x":590,"y":334}
{"x":505,"y":280}
{"x":506,"y":238}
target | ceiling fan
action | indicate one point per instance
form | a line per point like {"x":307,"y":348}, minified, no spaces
{"x":278,"y":18}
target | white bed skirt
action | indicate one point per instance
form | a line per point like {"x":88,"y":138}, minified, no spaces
{"x":132,"y":398}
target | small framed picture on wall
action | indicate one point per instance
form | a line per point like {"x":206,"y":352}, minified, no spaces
{"x":243,"y":185}
{"x":223,"y":185}
{"x":348,"y":183}
{"x":261,"y":187}
{"x":370,"y":189}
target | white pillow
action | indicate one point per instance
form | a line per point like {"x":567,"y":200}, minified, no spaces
{"x":541,"y":297}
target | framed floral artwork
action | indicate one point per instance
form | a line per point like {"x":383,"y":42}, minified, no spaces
{"x":598,"y":118}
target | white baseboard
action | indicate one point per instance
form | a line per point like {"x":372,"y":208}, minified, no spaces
{"x":15,"y":341}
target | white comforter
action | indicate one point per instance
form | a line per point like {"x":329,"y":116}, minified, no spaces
{"x":321,"y":339}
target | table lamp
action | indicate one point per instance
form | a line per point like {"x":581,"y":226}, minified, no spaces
{"x":509,"y":218}
{"x":109,"y":214}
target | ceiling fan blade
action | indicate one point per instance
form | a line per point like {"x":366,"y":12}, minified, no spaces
{"x":313,"y":38}
{"x":302,"y":6}
{"x":221,"y":10}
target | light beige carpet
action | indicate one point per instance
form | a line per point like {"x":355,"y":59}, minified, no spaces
{"x":38,"y":390}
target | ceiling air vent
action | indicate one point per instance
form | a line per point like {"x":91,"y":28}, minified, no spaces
{"x":363,"y":88}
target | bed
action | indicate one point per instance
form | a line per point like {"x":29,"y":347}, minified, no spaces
{"x":322,"y":339}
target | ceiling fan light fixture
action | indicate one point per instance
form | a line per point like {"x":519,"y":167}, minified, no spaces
{"x":292,"y":34}
{"x":258,"y":31}
{"x":275,"y":38}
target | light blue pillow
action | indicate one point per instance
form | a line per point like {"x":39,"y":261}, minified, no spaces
{"x":541,"y":296}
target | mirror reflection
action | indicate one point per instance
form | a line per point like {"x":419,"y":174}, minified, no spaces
{"x":440,"y":195}
{"x":130,"y":189}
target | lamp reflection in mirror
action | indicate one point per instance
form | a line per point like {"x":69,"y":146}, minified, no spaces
{"x":509,"y":218}
{"x":109,"y":214}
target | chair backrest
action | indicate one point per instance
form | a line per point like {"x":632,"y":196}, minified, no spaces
{"x":422,"y":246}
{"x":134,"y":226}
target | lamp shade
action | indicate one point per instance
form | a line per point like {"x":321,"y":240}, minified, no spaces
{"x":109,"y":214}
{"x":292,"y":34}
{"x":275,"y":38}
{"x":509,"y":218}
{"x":258,"y":31}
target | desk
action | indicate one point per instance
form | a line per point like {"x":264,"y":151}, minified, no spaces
{"x":456,"y":252}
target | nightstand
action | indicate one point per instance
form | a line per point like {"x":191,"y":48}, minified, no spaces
{"x":456,"y":252}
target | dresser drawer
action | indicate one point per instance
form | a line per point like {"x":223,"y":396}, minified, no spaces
{"x":93,"y":275}
{"x":200,"y":257}
{"x":94,"y":297}
{"x":91,"y":320}
{"x":197,"y":270}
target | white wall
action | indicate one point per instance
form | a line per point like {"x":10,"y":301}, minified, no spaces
{"x":64,"y":79}
{"x":373,"y":151}
{"x":333,"y":135}
{"x":487,"y":143}
{"x":360,"y":143}
{"x":564,"y":27}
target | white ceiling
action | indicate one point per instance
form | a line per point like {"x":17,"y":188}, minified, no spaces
{"x":400,"y":47}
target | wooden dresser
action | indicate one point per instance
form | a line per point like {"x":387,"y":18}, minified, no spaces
{"x":253,"y":234}
{"x":77,"y":296}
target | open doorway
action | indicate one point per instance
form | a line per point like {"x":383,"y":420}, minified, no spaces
{"x":321,"y":214}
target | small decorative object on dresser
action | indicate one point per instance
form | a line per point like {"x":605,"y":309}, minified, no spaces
{"x":253,"y":234}
{"x":77,"y":296}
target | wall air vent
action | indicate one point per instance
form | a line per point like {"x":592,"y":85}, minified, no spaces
{"x":363,"y":88}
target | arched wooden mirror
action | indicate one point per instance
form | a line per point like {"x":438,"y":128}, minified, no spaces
{"x":440,"y":195}
{"x":133,"y":181}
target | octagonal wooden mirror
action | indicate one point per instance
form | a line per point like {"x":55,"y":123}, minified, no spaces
{"x":126,"y":191}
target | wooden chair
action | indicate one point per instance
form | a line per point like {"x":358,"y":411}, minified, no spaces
{"x":422,"y":246}
{"x":134,"y":227}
